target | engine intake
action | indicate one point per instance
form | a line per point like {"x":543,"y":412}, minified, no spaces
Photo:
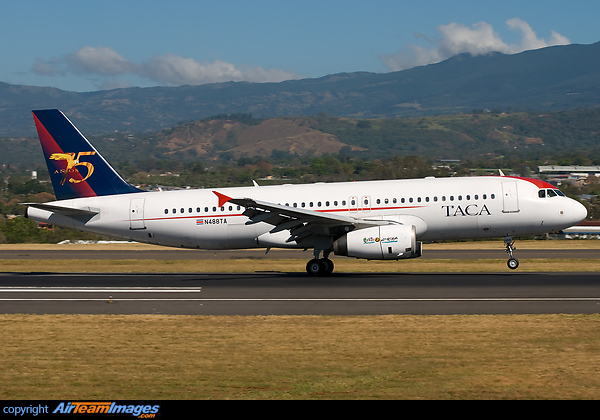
{"x":389,"y":242}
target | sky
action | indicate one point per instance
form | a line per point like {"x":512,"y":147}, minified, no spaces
{"x":90,"y":45}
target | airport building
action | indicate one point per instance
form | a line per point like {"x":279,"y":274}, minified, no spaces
{"x":572,"y":173}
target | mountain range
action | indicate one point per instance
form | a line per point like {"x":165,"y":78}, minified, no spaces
{"x":548,"y":79}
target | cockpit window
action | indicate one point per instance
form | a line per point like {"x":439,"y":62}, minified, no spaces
{"x":550,"y":193}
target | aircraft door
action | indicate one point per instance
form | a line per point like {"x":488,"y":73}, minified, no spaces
{"x":510,"y":197}
{"x":136,"y":214}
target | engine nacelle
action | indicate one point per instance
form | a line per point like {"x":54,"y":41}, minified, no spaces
{"x":389,"y":242}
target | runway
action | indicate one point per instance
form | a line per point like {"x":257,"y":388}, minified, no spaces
{"x":297,"y":294}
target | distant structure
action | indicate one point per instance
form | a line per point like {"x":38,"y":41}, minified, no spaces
{"x":571,"y":173}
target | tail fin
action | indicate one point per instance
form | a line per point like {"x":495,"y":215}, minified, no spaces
{"x":76,"y":168}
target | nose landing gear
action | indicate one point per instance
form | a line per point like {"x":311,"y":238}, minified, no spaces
{"x":512,"y":262}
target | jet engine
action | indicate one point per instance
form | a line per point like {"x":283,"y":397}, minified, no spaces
{"x":388,"y":242}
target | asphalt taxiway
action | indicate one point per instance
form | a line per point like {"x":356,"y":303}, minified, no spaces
{"x":298,"y":294}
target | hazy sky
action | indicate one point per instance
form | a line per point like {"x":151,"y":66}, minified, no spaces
{"x":86,"y":45}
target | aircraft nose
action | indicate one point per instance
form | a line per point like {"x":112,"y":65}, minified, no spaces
{"x":579,"y":212}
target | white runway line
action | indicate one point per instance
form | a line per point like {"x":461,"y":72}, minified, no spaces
{"x":115,"y":290}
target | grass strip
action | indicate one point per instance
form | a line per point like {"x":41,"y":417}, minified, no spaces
{"x":299,"y":357}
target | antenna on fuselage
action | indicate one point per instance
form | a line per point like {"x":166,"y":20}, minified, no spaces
{"x":501,"y":173}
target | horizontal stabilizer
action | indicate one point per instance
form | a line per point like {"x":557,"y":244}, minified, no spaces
{"x":67,"y":211}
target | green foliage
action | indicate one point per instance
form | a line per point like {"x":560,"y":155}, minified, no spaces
{"x":22,"y":230}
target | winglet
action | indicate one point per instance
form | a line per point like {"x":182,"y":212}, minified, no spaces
{"x":222,"y":198}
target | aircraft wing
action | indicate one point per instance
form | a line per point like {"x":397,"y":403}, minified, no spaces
{"x":67,"y":211}
{"x":299,"y":221}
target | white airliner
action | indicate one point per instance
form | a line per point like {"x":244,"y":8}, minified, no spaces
{"x":377,"y":220}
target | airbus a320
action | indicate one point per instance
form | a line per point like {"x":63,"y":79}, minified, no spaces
{"x":375,"y":220}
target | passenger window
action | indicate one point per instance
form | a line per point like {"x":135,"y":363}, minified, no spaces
{"x":166,"y":211}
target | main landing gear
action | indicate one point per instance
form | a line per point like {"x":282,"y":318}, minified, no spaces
{"x":512,"y":262}
{"x":320,"y":266}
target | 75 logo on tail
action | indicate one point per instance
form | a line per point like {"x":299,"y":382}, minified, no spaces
{"x":72,"y":163}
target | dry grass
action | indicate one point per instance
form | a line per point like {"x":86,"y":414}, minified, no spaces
{"x":495,"y":244}
{"x":243,"y":265}
{"x":300,"y":357}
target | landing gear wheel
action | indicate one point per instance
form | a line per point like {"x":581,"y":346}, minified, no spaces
{"x":512,"y":263}
{"x":319,"y":267}
{"x":328,"y":264}
{"x":314,"y":267}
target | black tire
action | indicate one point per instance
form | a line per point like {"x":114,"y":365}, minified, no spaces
{"x":512,"y":263}
{"x":314,"y":267}
{"x":328,"y":266}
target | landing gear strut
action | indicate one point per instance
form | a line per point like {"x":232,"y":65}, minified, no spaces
{"x":512,"y":262}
